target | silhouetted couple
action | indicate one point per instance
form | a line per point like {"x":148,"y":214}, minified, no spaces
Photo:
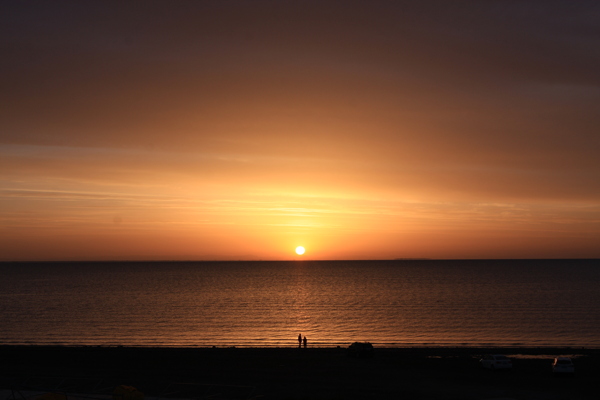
{"x":302,"y":341}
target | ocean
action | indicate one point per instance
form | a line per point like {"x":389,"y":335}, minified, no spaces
{"x":333,"y":303}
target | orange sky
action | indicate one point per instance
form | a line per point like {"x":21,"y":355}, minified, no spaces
{"x":240,"y":130}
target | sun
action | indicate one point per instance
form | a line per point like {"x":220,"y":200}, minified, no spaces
{"x":300,"y":250}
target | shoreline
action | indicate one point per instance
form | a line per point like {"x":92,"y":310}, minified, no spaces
{"x":474,"y":349}
{"x":311,"y":373}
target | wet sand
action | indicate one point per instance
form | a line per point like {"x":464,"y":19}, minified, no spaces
{"x":292,"y":373}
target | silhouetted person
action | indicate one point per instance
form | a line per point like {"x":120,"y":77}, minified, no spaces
{"x":305,"y":341}
{"x":299,"y":340}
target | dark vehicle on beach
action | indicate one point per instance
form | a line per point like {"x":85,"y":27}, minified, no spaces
{"x":496,"y":361}
{"x":563,"y":365}
{"x":360,"y":350}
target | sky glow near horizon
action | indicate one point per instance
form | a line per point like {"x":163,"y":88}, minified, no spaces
{"x":241,"y":130}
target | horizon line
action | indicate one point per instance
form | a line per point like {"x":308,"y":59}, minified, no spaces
{"x":301,"y":260}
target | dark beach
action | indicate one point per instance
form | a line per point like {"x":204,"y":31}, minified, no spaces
{"x":292,"y":373}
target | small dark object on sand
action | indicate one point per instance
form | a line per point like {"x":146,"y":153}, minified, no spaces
{"x":361,"y":350}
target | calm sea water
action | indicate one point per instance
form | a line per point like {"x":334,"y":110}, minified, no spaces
{"x":389,"y":303}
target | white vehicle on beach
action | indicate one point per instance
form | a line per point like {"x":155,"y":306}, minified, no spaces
{"x":563,"y":365}
{"x":496,"y":361}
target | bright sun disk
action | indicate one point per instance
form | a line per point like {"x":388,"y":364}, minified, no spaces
{"x":300,"y":250}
